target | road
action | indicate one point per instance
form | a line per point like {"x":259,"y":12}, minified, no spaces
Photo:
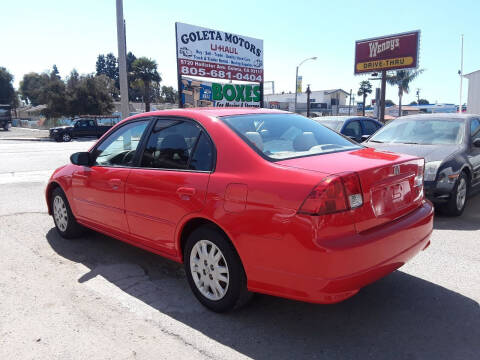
{"x":99,"y":298}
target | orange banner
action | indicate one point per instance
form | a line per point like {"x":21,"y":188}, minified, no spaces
{"x":384,"y":64}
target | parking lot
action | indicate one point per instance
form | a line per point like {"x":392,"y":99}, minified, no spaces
{"x":96,"y":297}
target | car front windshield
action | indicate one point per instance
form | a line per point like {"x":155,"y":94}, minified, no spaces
{"x":421,"y":131}
{"x":285,"y":136}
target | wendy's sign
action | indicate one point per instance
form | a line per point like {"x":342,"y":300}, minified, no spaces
{"x":392,"y":52}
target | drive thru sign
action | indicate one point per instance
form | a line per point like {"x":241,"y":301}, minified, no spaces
{"x":392,"y":52}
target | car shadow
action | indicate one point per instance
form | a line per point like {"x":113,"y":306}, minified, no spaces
{"x":398,"y":317}
{"x":469,"y":220}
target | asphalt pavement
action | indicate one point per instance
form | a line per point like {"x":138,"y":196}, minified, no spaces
{"x":99,"y":298}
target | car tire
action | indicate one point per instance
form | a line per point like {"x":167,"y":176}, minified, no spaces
{"x":66,"y":137}
{"x":458,"y":199}
{"x":65,"y":223}
{"x":210,"y":257}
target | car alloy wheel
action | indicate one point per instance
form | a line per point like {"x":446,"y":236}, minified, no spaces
{"x":60,"y":213}
{"x":209,"y":270}
{"x":66,"y":137}
{"x":461,"y":193}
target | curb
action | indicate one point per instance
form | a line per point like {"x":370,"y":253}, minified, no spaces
{"x":26,"y":139}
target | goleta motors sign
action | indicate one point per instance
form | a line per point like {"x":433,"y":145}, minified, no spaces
{"x":391,"y":52}
{"x":218,"y":54}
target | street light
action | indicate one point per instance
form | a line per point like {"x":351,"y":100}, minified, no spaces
{"x":296,"y":80}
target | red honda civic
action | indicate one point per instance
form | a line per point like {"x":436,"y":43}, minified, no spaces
{"x":250,"y":201}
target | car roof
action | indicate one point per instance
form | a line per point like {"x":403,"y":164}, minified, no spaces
{"x":209,"y":111}
{"x":344,"y":118}
{"x":437,"y":116}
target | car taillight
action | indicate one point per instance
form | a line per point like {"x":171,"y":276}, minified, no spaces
{"x":334,"y":194}
{"x":418,"y":182}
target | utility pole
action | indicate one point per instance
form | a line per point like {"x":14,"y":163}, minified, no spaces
{"x":350,"y":102}
{"x":122,"y":60}
{"x":418,"y":96}
{"x":382,"y":96}
{"x":461,"y":79}
{"x":296,"y":80}
{"x":308,"y":100}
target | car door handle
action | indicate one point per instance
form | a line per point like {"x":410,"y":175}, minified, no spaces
{"x":115,"y":183}
{"x":185,"y":193}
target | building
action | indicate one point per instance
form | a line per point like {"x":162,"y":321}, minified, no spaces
{"x":406,"y":110}
{"x":322,"y":102}
{"x":473,"y":100}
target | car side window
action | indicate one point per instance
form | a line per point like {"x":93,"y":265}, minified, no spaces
{"x":202,"y":158}
{"x":353,"y":129}
{"x":171,"y":144}
{"x":475,"y":128}
{"x":370,"y":127}
{"x":119,"y":148}
{"x":91,"y":123}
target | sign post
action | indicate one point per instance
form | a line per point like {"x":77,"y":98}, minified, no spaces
{"x":208,"y":53}
{"x":385,"y":53}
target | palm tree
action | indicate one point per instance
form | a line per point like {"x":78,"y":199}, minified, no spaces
{"x":364,"y":90}
{"x":402,"y":79}
{"x":145,"y":72}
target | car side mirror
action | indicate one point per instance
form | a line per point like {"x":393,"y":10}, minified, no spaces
{"x":476,"y":142}
{"x":81,"y":158}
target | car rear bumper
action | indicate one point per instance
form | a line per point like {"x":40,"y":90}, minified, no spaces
{"x":354,"y":262}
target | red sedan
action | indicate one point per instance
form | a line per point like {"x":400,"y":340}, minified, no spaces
{"x":250,"y":201}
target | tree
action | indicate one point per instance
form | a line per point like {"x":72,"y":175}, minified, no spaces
{"x":134,"y":89}
{"x":423,"y":102}
{"x":145,"y":72}
{"x":413,"y":103}
{"x":100,"y":65}
{"x":31,"y":88}
{"x":364,"y":89}
{"x":7,"y":92}
{"x":53,"y":96}
{"x":55,"y":72}
{"x":389,"y":103}
{"x":130,"y":59}
{"x":169,"y":94}
{"x":111,"y":66}
{"x":402,"y":79}
{"x":88,"y":94}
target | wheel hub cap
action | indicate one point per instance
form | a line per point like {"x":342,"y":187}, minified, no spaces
{"x":60,"y":214}
{"x":209,"y":270}
{"x":461,"y":193}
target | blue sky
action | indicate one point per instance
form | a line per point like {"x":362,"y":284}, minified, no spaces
{"x":71,"y":34}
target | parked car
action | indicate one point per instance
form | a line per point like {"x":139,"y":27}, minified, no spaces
{"x":450,"y":144}
{"x":357,"y":128}
{"x":79,"y":128}
{"x":250,"y":201}
{"x":5,"y":117}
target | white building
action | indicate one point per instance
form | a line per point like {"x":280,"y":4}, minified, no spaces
{"x":321,"y":101}
{"x":473,"y":101}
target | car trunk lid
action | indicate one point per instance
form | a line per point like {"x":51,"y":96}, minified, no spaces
{"x":392,"y":184}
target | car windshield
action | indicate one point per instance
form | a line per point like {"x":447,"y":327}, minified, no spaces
{"x":421,"y":131}
{"x":332,"y":124}
{"x":285,"y":136}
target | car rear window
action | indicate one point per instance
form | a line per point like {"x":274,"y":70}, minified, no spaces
{"x":332,"y":124}
{"x":286,"y":136}
{"x":421,"y":131}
